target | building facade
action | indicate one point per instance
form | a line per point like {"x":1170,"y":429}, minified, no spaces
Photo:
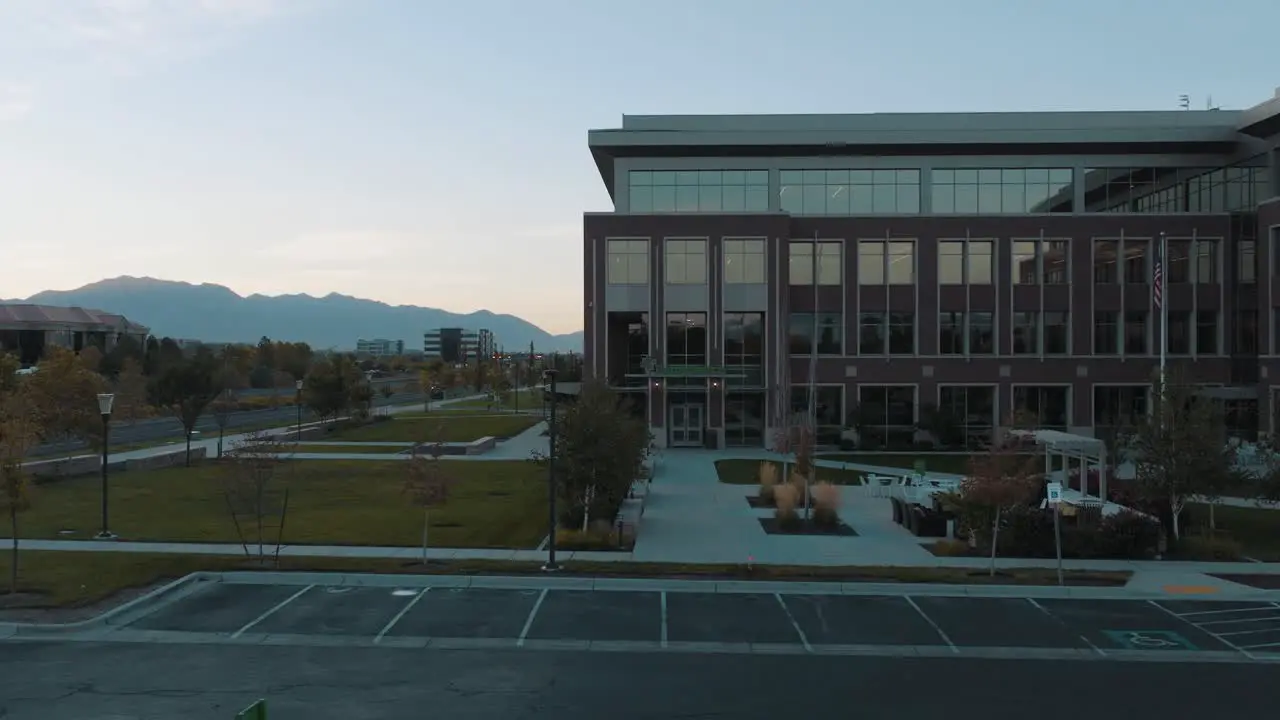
{"x":457,"y":345}
{"x":980,"y":265}
{"x":380,"y":347}
{"x":28,"y":331}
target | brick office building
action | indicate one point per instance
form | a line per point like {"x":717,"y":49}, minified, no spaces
{"x":980,"y":263}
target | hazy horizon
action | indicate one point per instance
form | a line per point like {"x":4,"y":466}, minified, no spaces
{"x":435,"y":154}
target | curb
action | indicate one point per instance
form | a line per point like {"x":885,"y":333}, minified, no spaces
{"x":119,"y":615}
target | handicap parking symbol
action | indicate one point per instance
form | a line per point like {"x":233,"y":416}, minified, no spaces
{"x":1149,"y":640}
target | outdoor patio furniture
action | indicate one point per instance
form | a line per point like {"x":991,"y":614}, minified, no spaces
{"x":898,"y":507}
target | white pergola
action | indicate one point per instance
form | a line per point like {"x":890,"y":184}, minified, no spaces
{"x":1090,"y":452}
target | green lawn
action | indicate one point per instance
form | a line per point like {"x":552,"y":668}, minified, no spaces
{"x":747,"y":472}
{"x":358,"y":449}
{"x":524,"y":400}
{"x":439,"y":427}
{"x":339,"y":502}
{"x":1257,"y":529}
{"x":957,"y":463}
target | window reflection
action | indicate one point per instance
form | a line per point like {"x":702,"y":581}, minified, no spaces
{"x":849,"y":192}
{"x":666,"y":191}
{"x":988,"y":191}
{"x":1176,"y":190}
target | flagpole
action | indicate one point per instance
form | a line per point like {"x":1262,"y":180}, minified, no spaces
{"x":1164,"y":309}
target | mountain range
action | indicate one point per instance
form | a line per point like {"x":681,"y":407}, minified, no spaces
{"x":213,"y":313}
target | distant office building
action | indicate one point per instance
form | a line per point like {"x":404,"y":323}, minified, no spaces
{"x":457,"y":345}
{"x":28,"y":331}
{"x":379,"y":347}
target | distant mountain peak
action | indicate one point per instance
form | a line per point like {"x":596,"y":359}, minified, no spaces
{"x":216,"y":313}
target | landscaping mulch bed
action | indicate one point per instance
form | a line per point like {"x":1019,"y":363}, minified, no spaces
{"x":772,"y":527}
{"x":1262,"y":582}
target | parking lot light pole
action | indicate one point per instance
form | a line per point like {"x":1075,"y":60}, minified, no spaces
{"x":551,"y":565}
{"x":298,"y":401}
{"x":105,"y":401}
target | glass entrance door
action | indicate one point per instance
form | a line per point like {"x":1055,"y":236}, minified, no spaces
{"x":677,"y":426}
{"x":686,"y":426}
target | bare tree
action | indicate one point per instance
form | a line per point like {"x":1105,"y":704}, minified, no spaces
{"x":255,"y":486}
{"x":1002,"y":478}
{"x":427,"y":483}
{"x":222,"y":409}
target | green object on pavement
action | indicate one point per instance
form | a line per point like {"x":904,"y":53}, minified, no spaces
{"x":256,"y":711}
{"x":921,"y":466}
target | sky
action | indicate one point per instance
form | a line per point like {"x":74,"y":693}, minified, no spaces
{"x":434,"y":152}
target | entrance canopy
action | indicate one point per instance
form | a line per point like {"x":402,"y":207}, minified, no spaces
{"x":1090,"y":451}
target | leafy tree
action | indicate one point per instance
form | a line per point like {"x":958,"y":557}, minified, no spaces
{"x":332,"y":387}
{"x":293,"y":358}
{"x":151,"y":357}
{"x":19,"y":435}
{"x":266,"y":353}
{"x":600,"y":450}
{"x":130,"y":387}
{"x":186,"y":388}
{"x":65,"y":395}
{"x":256,"y":489}
{"x":427,"y":483}
{"x":9,"y":367}
{"x":126,"y":348}
{"x":1179,"y":448}
{"x":388,"y":391}
{"x":222,"y":409}
{"x":1006,"y":476}
{"x":170,"y":354}
{"x":91,"y":358}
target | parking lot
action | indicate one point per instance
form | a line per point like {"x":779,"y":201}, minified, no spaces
{"x":692,"y":620}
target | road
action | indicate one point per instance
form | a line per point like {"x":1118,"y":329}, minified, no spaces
{"x":512,"y":649}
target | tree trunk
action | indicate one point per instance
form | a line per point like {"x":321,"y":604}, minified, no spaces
{"x":1173,"y":522}
{"x":426,"y":523}
{"x":995,"y":537}
{"x":188,"y":457}
{"x":1213,"y":522}
{"x":13,"y":561}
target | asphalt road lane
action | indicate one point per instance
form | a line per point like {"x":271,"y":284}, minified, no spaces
{"x":70,"y":681}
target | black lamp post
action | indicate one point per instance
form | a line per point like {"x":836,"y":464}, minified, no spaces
{"x":298,"y":402}
{"x":105,"y":401}
{"x":551,"y":565}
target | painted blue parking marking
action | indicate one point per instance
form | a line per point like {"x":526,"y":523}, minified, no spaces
{"x":1149,"y":640}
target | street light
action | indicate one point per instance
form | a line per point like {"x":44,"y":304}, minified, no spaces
{"x":298,"y":401}
{"x":105,"y":401}
{"x":551,"y":565}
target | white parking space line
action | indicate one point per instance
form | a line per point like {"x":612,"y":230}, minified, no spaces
{"x":804,"y":639}
{"x":392,"y":623}
{"x":270,"y":612}
{"x":1247,"y":632}
{"x":664,"y":618}
{"x":1211,"y":634}
{"x":1268,"y":646}
{"x":932,"y":624}
{"x":1192,"y":616}
{"x":528,"y":623}
{"x":1239,"y":621}
{"x":1064,"y":624}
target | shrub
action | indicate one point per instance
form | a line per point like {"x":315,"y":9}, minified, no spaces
{"x":597,"y":537}
{"x":847,"y":444}
{"x":797,"y":482}
{"x":1210,"y":548}
{"x":768,"y":481}
{"x":786,"y":499}
{"x":951,"y":548}
{"x":826,"y":504}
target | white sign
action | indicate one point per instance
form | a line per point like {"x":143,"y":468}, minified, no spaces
{"x":1054,"y":493}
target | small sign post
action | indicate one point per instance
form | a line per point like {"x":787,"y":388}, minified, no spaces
{"x":1053,"y":494}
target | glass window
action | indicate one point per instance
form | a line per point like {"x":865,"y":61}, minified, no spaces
{"x":801,"y":262}
{"x":849,"y":192}
{"x":871,"y":333}
{"x":1135,"y":332}
{"x":686,"y":262}
{"x":828,"y":410}
{"x":951,"y":333}
{"x":981,"y":263}
{"x":981,"y":333}
{"x":829,"y":330}
{"x":1176,"y":190}
{"x":1178,"y":341}
{"x":1136,"y":269}
{"x":974,"y":406}
{"x":871,"y":262}
{"x":1057,"y":332}
{"x":744,"y":347}
{"x":1025,"y":270}
{"x":902,"y":262}
{"x":886,"y":333}
{"x":1106,"y":332}
{"x":1026,"y":333}
{"x":902,"y":333}
{"x":1206,"y":262}
{"x":744,"y":262}
{"x":1177,"y":265}
{"x":628,"y":262}
{"x":1046,"y":406}
{"x":686,"y":338}
{"x":886,"y":415}
{"x":951,"y":262}
{"x":1105,"y":258}
{"x":1041,"y":261}
{"x":1117,"y":406}
{"x":1244,"y":337}
{"x":1002,"y":190}
{"x":658,"y":191}
{"x":1247,"y":268}
{"x":1207,"y":332}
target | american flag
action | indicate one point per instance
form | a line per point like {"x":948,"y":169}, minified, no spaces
{"x":1157,"y":276}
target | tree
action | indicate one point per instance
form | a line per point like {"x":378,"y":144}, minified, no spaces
{"x":256,"y":490}
{"x":332,"y":387}
{"x":151,"y":357}
{"x":91,"y":358}
{"x":130,"y":387}
{"x":388,"y":391}
{"x":19,"y":435}
{"x":126,"y":348}
{"x":170,"y":354}
{"x":427,"y":483}
{"x":1179,"y":448}
{"x":186,"y":388}
{"x":222,"y":409}
{"x":1002,"y":478}
{"x":600,"y":450}
{"x":66,"y":396}
{"x":9,"y":367}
